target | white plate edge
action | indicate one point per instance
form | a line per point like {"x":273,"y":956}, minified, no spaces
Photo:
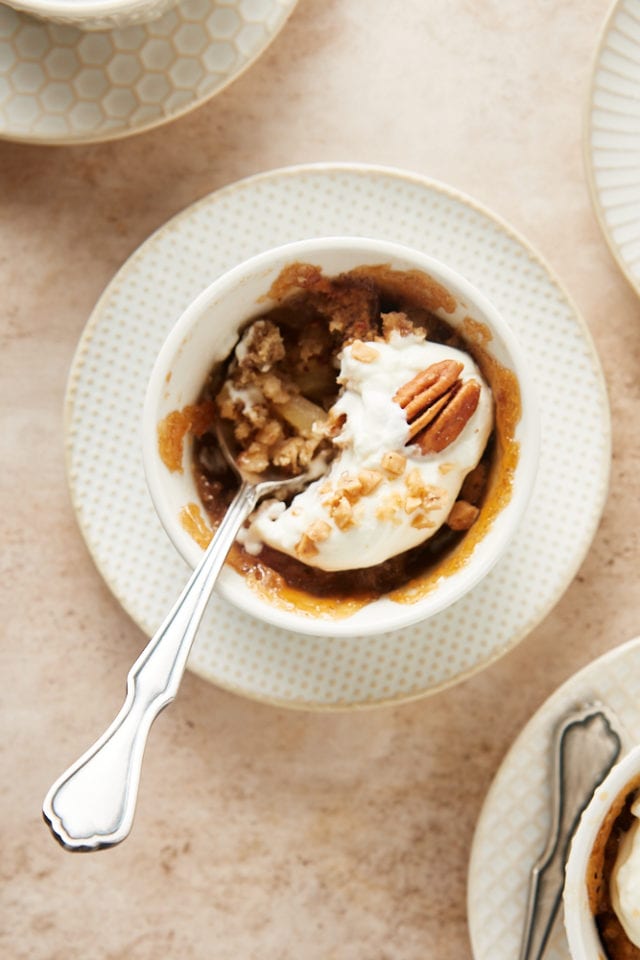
{"x":451,"y":192}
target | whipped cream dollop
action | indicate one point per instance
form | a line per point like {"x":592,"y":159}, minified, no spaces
{"x":625,"y":879}
{"x":381,"y":495}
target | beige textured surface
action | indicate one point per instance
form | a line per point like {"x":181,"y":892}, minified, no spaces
{"x":262,"y":833}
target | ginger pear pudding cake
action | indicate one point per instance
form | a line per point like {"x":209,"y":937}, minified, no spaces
{"x":613,"y":876}
{"x":405,"y":423}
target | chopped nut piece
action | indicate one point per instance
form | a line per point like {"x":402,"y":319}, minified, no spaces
{"x":390,"y":507}
{"x":364,"y":352}
{"x":333,"y":425}
{"x":351,"y":488}
{"x":411,"y":504}
{"x":415,"y":483}
{"x":394,"y":463}
{"x":445,"y":468}
{"x":433,"y":497}
{"x":318,"y":531}
{"x":421,"y":521}
{"x":305,"y":548}
{"x":370,"y":480}
{"x":463,"y":515}
{"x":342,"y":513}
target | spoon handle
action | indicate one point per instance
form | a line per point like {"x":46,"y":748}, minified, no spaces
{"x":586,"y":745}
{"x":92,"y":804}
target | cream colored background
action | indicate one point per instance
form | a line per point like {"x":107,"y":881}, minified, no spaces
{"x":262,"y":833}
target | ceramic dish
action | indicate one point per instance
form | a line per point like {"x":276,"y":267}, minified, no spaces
{"x":95,"y":14}
{"x":210,"y":324}
{"x":612,"y":136}
{"x":61,"y":85}
{"x":111,"y":370}
{"x":581,"y":927}
{"x":514,"y":822}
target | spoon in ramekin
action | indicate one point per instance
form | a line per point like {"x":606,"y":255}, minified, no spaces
{"x":91,"y":806}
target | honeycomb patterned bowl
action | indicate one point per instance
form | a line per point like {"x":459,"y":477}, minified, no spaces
{"x":60,"y":84}
{"x":95,"y":14}
{"x":206,"y":333}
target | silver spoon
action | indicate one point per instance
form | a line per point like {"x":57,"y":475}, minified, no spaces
{"x":92,"y":804}
{"x":586,"y":744}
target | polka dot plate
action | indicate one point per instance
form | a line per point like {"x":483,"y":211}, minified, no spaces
{"x":104,"y":405}
{"x":612,"y":136}
{"x":59,"y":84}
{"x":514,"y":822}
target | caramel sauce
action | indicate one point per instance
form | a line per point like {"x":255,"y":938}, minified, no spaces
{"x":409,"y":286}
{"x":196,"y":419}
{"x":196,"y":526}
{"x":601,"y":863}
{"x":284,"y":581}
{"x":264,"y":579}
{"x":273,"y":587}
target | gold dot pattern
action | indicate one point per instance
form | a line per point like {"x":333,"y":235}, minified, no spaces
{"x":108,"y":382}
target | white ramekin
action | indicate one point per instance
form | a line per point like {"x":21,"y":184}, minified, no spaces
{"x":582,"y":933}
{"x":207,"y":332}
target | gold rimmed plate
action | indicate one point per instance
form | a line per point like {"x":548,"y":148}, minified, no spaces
{"x":108,"y":382}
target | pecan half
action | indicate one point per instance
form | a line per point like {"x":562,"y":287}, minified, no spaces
{"x":438,"y":405}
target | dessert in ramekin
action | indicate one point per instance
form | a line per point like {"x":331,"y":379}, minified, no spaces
{"x":602,"y":886}
{"x":391,"y":377}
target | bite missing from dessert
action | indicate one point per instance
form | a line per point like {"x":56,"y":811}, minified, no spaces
{"x":407,"y":423}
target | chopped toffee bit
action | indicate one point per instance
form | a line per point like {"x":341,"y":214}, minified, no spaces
{"x":364,"y":352}
{"x":463,"y":515}
{"x":394,"y":463}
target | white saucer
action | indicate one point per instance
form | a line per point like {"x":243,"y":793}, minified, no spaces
{"x":61,"y":85}
{"x":514,"y":823}
{"x":612,"y":136}
{"x":108,"y":382}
